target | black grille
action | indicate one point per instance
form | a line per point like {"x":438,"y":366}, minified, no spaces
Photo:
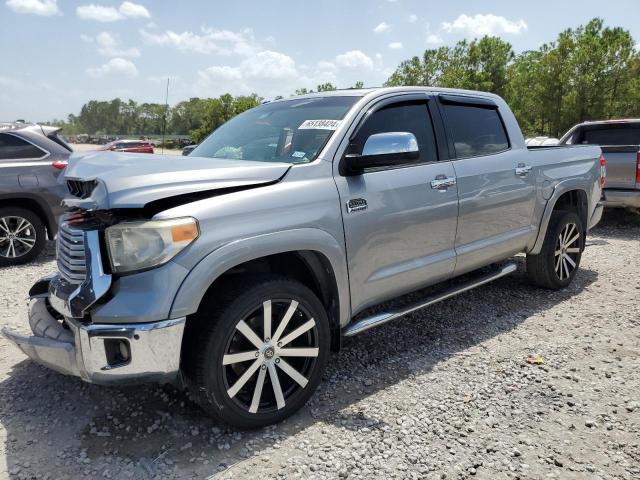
{"x":81,"y":189}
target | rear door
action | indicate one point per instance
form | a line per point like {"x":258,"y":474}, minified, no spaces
{"x":399,"y":231}
{"x":496,"y":188}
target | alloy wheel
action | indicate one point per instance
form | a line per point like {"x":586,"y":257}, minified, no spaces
{"x":17,"y":236}
{"x":270,"y":356}
{"x":567,"y":251}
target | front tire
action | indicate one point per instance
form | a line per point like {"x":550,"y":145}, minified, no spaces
{"x":259,"y":351}
{"x":557,"y":263}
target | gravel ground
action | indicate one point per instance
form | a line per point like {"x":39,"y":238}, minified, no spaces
{"x":443,"y":393}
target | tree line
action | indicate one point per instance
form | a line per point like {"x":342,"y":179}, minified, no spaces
{"x":587,"y":73}
{"x":196,"y":117}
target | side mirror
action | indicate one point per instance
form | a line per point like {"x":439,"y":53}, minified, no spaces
{"x":383,"y":150}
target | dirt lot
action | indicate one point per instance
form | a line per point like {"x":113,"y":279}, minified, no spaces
{"x":443,"y":393}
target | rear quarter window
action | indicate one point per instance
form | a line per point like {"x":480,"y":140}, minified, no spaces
{"x":612,"y":135}
{"x":475,"y":131}
{"x":15,"y":148}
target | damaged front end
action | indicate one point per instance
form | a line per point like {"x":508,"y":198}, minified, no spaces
{"x":82,"y":278}
{"x":105,"y":316}
{"x":65,"y":336}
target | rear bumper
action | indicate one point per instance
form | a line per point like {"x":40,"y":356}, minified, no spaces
{"x":621,"y":198}
{"x":101,"y":353}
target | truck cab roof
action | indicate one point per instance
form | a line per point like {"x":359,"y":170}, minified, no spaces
{"x":376,"y":91}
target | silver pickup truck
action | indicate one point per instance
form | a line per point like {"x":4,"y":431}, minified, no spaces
{"x":235,"y":271}
{"x":620,"y":143}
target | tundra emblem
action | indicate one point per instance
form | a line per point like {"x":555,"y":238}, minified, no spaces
{"x":356,"y":204}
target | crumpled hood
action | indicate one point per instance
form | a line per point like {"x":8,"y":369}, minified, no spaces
{"x":131,"y":180}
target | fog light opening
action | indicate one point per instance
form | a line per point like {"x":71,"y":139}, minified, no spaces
{"x":118,"y":352}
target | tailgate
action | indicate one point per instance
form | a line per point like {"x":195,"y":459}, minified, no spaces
{"x":621,"y":165}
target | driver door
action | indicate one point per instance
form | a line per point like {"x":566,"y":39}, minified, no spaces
{"x":399,"y":229}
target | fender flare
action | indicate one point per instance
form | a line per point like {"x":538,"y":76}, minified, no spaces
{"x":230,"y":255}
{"x":560,"y":189}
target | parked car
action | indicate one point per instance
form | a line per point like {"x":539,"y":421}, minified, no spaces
{"x":620,"y":143}
{"x":31,"y":159}
{"x":188,"y":149}
{"x":238,"y":269}
{"x":130,"y":146}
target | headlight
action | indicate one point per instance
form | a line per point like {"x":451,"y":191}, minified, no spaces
{"x":142,"y":245}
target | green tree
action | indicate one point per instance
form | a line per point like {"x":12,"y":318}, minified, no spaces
{"x":326,"y":87}
{"x":591,"y":72}
{"x":477,"y":65}
{"x":586,"y":74}
{"x":221,"y":109}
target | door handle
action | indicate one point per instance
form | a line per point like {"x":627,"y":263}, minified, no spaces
{"x":442,"y":182}
{"x":522,"y":170}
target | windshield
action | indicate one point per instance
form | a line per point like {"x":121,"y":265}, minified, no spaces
{"x":291,"y":131}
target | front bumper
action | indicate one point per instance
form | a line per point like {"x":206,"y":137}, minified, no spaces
{"x":101,"y":353}
{"x":621,"y":198}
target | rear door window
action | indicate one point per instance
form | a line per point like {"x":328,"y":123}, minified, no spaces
{"x":15,"y":148}
{"x":476,"y":131}
{"x":612,"y":135}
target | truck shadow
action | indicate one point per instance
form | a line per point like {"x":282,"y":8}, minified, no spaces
{"x":59,"y":425}
{"x":619,"y":224}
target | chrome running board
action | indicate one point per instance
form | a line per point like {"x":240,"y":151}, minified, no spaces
{"x":370,"y":322}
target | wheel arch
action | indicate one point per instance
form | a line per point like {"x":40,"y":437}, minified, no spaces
{"x":35,"y":205}
{"x":569,"y":197}
{"x":312,"y":257}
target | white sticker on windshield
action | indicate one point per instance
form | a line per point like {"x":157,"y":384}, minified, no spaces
{"x":319,"y":125}
{"x":297,"y":154}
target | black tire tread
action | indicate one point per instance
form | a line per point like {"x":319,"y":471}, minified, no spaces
{"x":195,"y":360}
{"x":539,"y":270}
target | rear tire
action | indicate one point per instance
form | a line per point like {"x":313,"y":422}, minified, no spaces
{"x":239,"y":344}
{"x":22,"y":236}
{"x":558,"y":261}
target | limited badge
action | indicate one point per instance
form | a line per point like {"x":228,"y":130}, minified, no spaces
{"x":319,"y":125}
{"x":356,"y":205}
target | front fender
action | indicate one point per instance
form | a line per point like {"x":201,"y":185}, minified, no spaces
{"x":221,"y":260}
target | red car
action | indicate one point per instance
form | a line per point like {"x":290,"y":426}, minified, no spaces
{"x":132,"y":146}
